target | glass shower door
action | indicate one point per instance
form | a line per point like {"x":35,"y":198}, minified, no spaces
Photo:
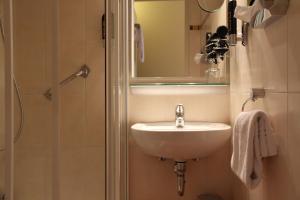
{"x":58,"y":144}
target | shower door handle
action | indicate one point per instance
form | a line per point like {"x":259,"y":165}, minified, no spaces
{"x":103,"y":29}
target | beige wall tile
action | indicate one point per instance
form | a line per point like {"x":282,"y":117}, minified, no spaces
{"x":206,"y":107}
{"x":151,"y":178}
{"x":258,"y":193}
{"x":95,"y":93}
{"x":31,"y":173}
{"x":239,"y":190}
{"x":72,"y":170}
{"x":273,"y":46}
{"x":72,"y":43}
{"x":30,"y":44}
{"x":72,"y":21}
{"x":83,"y":173}
{"x":37,"y":127}
{"x":94,"y":175}
{"x":293,"y":46}
{"x":73,"y":120}
{"x":294,"y":140}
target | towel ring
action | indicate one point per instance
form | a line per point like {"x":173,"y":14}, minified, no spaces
{"x":255,"y":94}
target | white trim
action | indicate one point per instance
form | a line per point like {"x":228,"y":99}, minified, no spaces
{"x":178,"y":89}
{"x":117,"y":58}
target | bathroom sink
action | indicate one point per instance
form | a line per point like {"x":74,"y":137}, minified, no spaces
{"x":194,"y":140}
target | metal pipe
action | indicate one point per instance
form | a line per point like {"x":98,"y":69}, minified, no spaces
{"x":82,"y":72}
{"x":179,"y":169}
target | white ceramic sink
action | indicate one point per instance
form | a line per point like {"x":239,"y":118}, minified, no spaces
{"x":194,"y":140}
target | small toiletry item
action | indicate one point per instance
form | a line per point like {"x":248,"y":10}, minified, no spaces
{"x":232,"y":23}
{"x":245,"y":27}
{"x":198,"y":57}
{"x":248,"y":13}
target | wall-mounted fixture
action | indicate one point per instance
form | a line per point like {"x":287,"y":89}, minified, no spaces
{"x":83,"y":72}
{"x":259,"y":14}
{"x":255,"y":94}
{"x":273,"y":9}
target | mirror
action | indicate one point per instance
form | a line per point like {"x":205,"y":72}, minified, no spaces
{"x":210,"y":5}
{"x":170,"y":39}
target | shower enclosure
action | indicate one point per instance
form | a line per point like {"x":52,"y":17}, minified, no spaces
{"x":68,"y":142}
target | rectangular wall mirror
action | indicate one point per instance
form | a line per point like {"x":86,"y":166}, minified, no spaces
{"x":169,"y":39}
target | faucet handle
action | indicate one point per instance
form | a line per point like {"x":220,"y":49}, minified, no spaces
{"x":179,"y":110}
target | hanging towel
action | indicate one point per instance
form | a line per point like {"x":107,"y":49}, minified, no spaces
{"x":139,"y":40}
{"x":252,"y":141}
{"x":248,"y":13}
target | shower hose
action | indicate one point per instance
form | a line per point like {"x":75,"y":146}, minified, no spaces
{"x":21,"y":124}
{"x":18,"y":134}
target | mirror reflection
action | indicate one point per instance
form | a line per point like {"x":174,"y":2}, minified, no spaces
{"x":210,"y":5}
{"x":170,"y":38}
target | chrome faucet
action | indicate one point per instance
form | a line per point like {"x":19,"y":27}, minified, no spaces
{"x":179,"y":114}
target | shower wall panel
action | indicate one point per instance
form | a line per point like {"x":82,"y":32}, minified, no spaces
{"x":82,"y":101}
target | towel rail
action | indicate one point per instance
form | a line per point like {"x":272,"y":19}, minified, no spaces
{"x":255,"y":94}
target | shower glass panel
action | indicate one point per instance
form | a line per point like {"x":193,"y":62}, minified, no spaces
{"x":52,"y":164}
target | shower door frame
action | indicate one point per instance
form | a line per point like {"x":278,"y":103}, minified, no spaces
{"x":8,"y":101}
{"x":117,"y":64}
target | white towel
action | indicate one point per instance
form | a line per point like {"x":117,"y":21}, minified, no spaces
{"x":252,"y":141}
{"x":248,"y":13}
{"x":139,"y":40}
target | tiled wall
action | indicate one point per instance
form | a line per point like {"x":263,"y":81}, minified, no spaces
{"x":150,"y":178}
{"x":271,"y":60}
{"x":83,"y":102}
{"x":82,"y":161}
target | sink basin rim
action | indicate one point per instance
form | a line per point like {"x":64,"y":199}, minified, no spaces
{"x":190,"y":126}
